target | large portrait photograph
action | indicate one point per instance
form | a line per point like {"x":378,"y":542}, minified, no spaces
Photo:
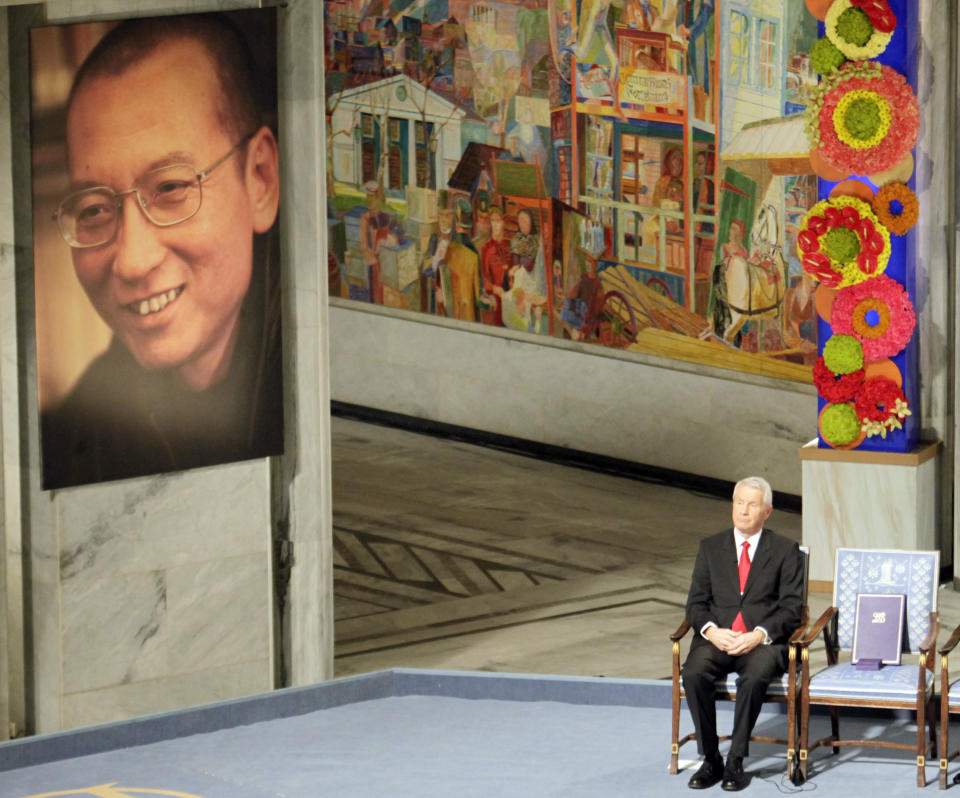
{"x":155,"y":171}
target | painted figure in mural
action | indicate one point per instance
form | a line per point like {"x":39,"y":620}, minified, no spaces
{"x":741,"y":619}
{"x":672,"y":171}
{"x":698,"y":53}
{"x":481,"y":229}
{"x":593,"y":26}
{"x":800,"y":328}
{"x":175,"y":192}
{"x":736,"y":235}
{"x":435,"y":268}
{"x":704,"y":197}
{"x":524,"y":303}
{"x":375,"y":226}
{"x":583,"y":305}
{"x":655,"y":15}
{"x":525,"y":139}
{"x":464,"y":264}
{"x":750,"y":287}
{"x":495,"y":264}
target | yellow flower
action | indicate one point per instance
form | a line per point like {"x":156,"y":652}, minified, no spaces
{"x":875,"y":45}
{"x":860,"y":104}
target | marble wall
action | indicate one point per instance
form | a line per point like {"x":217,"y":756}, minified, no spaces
{"x":936,"y":165}
{"x":663,"y":413}
{"x":152,"y":594}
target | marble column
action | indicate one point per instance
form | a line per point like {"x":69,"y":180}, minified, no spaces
{"x":302,"y":493}
{"x":867,"y":500}
{"x":7,"y":366}
{"x":152,"y":594}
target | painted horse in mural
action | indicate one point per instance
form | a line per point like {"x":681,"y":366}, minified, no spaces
{"x":751,"y":287}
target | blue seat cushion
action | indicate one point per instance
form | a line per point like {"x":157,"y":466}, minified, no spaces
{"x":778,"y":687}
{"x":953,"y":696}
{"x":890,"y":683}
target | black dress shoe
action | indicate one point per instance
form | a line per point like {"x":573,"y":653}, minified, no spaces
{"x":709,"y":774}
{"x":734,"y":779}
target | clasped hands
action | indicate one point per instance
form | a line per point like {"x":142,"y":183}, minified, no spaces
{"x":734,"y":643}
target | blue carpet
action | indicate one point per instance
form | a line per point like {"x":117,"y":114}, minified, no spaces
{"x":435,"y":745}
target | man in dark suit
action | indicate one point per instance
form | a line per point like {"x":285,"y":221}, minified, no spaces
{"x":743,"y":613}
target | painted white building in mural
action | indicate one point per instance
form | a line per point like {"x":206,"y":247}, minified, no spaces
{"x":410,"y":134}
{"x":753,"y":76}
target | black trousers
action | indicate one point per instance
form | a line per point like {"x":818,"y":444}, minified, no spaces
{"x":704,"y":666}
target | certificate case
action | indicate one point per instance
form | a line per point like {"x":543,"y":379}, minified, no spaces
{"x":878,"y":628}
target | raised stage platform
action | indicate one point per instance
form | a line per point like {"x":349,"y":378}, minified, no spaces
{"x":415,"y":733}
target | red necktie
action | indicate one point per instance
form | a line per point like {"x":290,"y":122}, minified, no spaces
{"x":744,"y":568}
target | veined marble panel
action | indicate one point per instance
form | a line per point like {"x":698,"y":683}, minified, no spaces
{"x":862,"y":505}
{"x":218,"y":613}
{"x":146,"y":578}
{"x":114,"y":630}
{"x":695,"y":422}
{"x":164,"y":521}
{"x":165,"y":694}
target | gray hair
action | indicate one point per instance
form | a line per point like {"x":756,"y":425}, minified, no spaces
{"x":760,"y":484}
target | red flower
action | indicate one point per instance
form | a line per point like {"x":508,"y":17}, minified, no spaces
{"x":877,"y":312}
{"x":836,"y":387}
{"x":902,"y":135}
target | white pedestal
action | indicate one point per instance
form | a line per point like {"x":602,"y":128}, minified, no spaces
{"x":869,"y":500}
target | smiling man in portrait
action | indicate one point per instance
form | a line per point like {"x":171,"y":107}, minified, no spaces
{"x":170,"y":219}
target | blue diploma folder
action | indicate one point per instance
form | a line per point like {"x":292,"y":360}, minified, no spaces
{"x":878,"y":628}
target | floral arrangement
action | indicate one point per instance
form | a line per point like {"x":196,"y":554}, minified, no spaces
{"x":825,"y":57}
{"x":896,"y":207}
{"x":842,"y":243}
{"x":878,"y":313}
{"x":863,"y":120}
{"x":836,"y":387}
{"x":871,"y":130}
{"x":843,"y":354}
{"x":840,"y":424}
{"x":881,"y":406}
{"x":853,"y":32}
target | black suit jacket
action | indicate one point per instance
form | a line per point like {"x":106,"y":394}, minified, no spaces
{"x":773,"y":597}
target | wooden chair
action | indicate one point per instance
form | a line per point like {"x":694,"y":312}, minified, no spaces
{"x":949,"y":704}
{"x":909,"y":686}
{"x":783,"y":691}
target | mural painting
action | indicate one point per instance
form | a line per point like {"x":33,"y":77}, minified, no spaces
{"x":626,"y":173}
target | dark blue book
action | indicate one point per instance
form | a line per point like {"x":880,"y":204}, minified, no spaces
{"x":878,"y":629}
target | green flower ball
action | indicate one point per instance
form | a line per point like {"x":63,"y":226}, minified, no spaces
{"x":854,"y":26}
{"x":825,"y":56}
{"x":841,"y":244}
{"x":862,"y":118}
{"x":843,"y":354}
{"x":839,"y":424}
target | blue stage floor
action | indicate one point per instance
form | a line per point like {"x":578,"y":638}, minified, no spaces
{"x":422,"y":734}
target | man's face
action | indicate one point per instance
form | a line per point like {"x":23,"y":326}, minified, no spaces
{"x":445,"y":220}
{"x":171,"y":294}
{"x":749,"y":511}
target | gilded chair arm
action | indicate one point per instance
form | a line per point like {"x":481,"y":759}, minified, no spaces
{"x":681,"y":631}
{"x":818,"y":625}
{"x":951,"y":643}
{"x":797,"y":635}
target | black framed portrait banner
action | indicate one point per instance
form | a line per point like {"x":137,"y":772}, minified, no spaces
{"x":156,"y":191}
